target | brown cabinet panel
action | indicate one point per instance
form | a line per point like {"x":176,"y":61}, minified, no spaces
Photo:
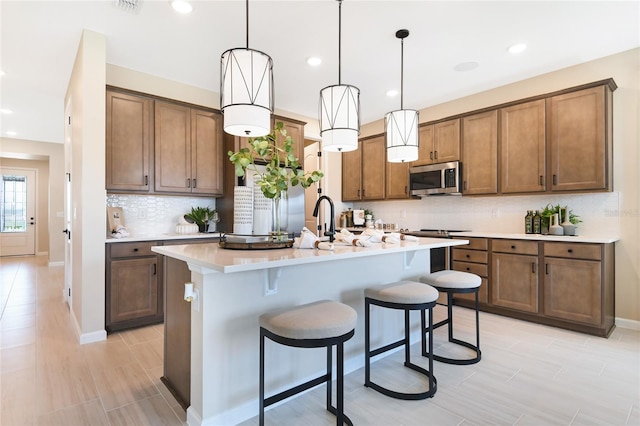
{"x":579,"y":148}
{"x":374,"y":158}
{"x":136,"y":249}
{"x":352,"y":175}
{"x":128,"y":142}
{"x":480,"y":153}
{"x":439,"y":143}
{"x":483,"y":293}
{"x":522,"y":148}
{"x":425,"y":146}
{"x":397,"y":181}
{"x":474,"y":243}
{"x":573,"y":290}
{"x":514,"y":281}
{"x":206,"y":152}
{"x":515,"y":246}
{"x":475,"y":256}
{"x":134,"y":290}
{"x":172,"y":147}
{"x":474,"y":268}
{"x":573,"y":251}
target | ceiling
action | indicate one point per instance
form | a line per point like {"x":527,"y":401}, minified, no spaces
{"x":39,"y":40}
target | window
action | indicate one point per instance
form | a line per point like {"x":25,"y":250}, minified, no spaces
{"x":13,"y":202}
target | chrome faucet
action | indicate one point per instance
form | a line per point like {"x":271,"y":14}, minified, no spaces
{"x":332,"y":224}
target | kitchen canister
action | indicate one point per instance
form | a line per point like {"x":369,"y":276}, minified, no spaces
{"x":555,"y":228}
{"x":242,"y":210}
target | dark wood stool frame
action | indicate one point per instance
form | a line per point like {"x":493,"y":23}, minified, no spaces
{"x":329,"y":342}
{"x":368,"y":354}
{"x":449,"y":321}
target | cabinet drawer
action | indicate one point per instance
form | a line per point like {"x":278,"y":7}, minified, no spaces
{"x":515,"y":246}
{"x":138,"y":249}
{"x":475,"y":243}
{"x":475,"y":256}
{"x":474,"y":268}
{"x":573,"y":250}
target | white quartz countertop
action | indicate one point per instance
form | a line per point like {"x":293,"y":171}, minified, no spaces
{"x":212,"y":256}
{"x":162,"y":237}
{"x":538,"y":237}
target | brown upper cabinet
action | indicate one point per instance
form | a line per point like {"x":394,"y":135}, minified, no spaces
{"x":522,"y":148}
{"x":129,"y":132}
{"x":439,"y":143}
{"x":397,"y":181}
{"x":580,"y":139}
{"x":480,"y":153}
{"x":364,"y":170}
{"x":295,"y":129}
{"x":188,"y":150}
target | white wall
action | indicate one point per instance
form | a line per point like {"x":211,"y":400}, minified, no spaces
{"x":616,"y":213}
{"x":86,"y":92}
{"x":54,"y":153}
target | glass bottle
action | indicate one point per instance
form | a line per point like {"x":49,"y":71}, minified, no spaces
{"x":528,"y":222}
{"x":537,"y":223}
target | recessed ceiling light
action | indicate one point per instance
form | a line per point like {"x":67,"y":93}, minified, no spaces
{"x":517,"y":48}
{"x":392,"y":93}
{"x":314,"y":61}
{"x":181,"y":6}
{"x":5,"y":111}
{"x":11,"y":133}
{"x":466,"y":66}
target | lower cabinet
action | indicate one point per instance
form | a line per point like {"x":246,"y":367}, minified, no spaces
{"x":473,"y":258}
{"x":134,"y":295}
{"x":563,"y":284}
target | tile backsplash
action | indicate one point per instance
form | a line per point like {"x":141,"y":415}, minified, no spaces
{"x":150,"y":214}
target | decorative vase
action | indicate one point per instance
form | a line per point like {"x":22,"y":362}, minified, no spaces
{"x":280,"y":216}
{"x":554,"y":227}
{"x":568,"y":227}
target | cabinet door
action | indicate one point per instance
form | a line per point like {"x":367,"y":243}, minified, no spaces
{"x":514,"y":281}
{"x":578,"y":144}
{"x":397,"y":181}
{"x":352,"y":175}
{"x":573,"y":290}
{"x":134,"y":290}
{"x":128,"y":142}
{"x":446,"y":141}
{"x":480,"y":153}
{"x":522,"y":148}
{"x":206,"y":152}
{"x":295,"y":129}
{"x":172,"y":147}
{"x":425,"y":146}
{"x":374,"y":158}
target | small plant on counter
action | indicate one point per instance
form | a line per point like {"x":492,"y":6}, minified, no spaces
{"x":282,"y":168}
{"x":200,"y":216}
{"x":368,"y":212}
{"x":549,"y":210}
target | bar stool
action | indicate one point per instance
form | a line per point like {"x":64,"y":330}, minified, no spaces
{"x":452,"y":282}
{"x":320,"y":324}
{"x":407,"y":296}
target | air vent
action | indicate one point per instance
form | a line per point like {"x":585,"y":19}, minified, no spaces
{"x":129,"y":5}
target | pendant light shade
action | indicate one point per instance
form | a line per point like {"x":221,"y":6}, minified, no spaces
{"x":246,"y":90}
{"x":401,"y":126}
{"x":339,"y":109}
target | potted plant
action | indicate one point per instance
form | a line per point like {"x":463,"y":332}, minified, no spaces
{"x":200,"y":216}
{"x":282,"y":168}
{"x":549,"y":210}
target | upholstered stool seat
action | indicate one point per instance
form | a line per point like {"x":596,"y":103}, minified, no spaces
{"x":407,"y":296}
{"x":452,"y":282}
{"x":320,"y":324}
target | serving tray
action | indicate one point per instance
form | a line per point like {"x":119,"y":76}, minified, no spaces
{"x":252,"y":242}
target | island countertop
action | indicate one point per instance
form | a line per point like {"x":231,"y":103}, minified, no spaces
{"x":214,"y":257}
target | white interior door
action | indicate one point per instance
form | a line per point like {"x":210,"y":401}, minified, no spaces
{"x":68,"y":274}
{"x":17,"y":212}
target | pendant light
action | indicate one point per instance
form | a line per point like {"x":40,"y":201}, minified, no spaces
{"x":340,"y":109}
{"x":246,"y":90}
{"x":401,"y":126}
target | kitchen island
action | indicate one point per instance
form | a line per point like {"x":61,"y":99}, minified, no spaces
{"x":234,"y":287}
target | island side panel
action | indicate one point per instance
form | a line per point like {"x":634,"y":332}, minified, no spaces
{"x":225,"y":332}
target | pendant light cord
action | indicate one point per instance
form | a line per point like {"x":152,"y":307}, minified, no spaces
{"x":339,"y":41}
{"x":402,"y":73}
{"x":247,"y":13}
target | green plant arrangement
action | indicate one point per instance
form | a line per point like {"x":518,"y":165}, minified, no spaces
{"x":368,"y":212}
{"x":282,"y":169}
{"x":549,"y":210}
{"x":200,"y":216}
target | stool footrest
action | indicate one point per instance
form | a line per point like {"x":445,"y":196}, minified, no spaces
{"x":407,"y":396}
{"x":386,"y":348}
{"x":295,"y":390}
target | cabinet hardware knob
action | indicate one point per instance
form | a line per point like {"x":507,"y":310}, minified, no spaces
{"x":541,"y":180}
{"x":546,"y":268}
{"x":468,"y":256}
{"x":555,"y":179}
{"x":430,"y":155}
{"x":468,"y":268}
{"x":146,"y":180}
{"x":570,"y":250}
{"x":533,"y":267}
{"x":194,"y":182}
{"x":513,"y":247}
{"x":436,"y":153}
{"x":135,"y":249}
{"x":406,"y":189}
{"x":188,"y":183}
{"x":464,"y":185}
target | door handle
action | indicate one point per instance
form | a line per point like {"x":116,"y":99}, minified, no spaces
{"x":533,"y":267}
{"x":194,"y":182}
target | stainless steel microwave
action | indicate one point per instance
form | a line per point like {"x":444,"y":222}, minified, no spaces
{"x":435,"y":179}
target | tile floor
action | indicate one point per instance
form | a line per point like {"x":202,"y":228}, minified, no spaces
{"x":529,"y":374}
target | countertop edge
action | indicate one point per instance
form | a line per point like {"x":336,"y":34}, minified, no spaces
{"x":538,"y":237}
{"x":162,"y":237}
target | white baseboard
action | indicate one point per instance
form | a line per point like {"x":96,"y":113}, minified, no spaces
{"x":57,"y":263}
{"x":193,"y":418}
{"x":84,"y":338}
{"x":627,"y":323}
